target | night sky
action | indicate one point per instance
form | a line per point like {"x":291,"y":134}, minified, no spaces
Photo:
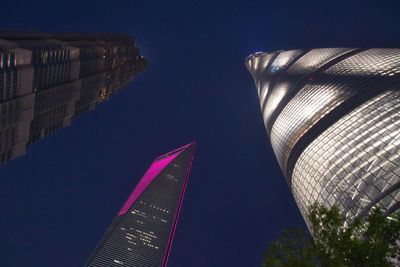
{"x":58,"y":199}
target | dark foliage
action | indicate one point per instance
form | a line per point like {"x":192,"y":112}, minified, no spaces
{"x":371,"y":241}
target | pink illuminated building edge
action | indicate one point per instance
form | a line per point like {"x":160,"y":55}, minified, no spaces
{"x":156,"y":167}
{"x":172,"y":233}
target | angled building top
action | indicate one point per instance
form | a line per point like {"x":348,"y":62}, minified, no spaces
{"x":142,"y":232}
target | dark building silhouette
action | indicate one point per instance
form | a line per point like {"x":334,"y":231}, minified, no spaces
{"x":46,"y":80}
{"x":333,"y":118}
{"x":142,"y":232}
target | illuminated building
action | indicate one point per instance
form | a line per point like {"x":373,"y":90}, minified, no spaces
{"x":142,"y":232}
{"x":333,"y":119}
{"x":46,"y":80}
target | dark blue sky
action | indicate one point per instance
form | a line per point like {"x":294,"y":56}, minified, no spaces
{"x":59,"y":198}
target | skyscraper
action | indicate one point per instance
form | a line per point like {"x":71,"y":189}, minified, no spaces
{"x":46,"y":80}
{"x":333,"y":119}
{"x":142,"y":232}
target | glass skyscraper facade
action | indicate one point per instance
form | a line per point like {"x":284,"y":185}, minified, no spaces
{"x":46,"y":80}
{"x":142,"y":232}
{"x":333,"y":119}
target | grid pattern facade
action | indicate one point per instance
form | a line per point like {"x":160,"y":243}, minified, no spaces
{"x":333,"y":118}
{"x":308,"y":106}
{"x":283,"y":60}
{"x":143,"y":235}
{"x":52,"y":78}
{"x":356,"y":161}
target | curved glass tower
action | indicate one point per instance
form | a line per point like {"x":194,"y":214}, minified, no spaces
{"x":333,"y":119}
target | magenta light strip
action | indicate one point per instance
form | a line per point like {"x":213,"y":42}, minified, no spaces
{"x":156,"y":167}
{"x":177,"y":212}
{"x":176,"y":150}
